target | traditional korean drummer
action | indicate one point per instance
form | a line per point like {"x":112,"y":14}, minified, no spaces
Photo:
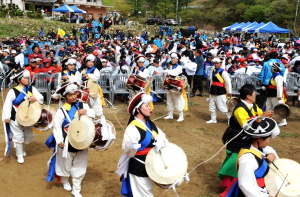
{"x":140,"y":137}
{"x":20,"y":135}
{"x":69,"y":160}
{"x":253,"y":159}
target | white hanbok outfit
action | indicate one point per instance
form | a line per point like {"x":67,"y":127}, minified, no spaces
{"x":20,"y":135}
{"x":68,"y":163}
{"x":247,"y":165}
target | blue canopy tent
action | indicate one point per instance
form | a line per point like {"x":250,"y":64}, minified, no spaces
{"x":77,"y":10}
{"x":252,"y":29}
{"x":64,"y":8}
{"x":239,"y":25}
{"x":231,"y":26}
{"x":270,"y":27}
{"x":244,"y":26}
{"x":249,"y":26}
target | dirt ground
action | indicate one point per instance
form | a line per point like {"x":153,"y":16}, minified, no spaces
{"x":199,"y":140}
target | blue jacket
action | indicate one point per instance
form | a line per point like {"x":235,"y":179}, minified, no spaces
{"x":26,"y":53}
{"x":83,"y":37}
{"x":200,"y":65}
{"x":266,"y":73}
{"x":158,"y":43}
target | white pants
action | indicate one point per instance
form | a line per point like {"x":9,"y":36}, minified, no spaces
{"x":218,"y":102}
{"x":96,"y":104}
{"x":75,"y":165}
{"x":20,"y":133}
{"x":141,"y":186}
{"x":271,"y":103}
{"x":175,"y":101}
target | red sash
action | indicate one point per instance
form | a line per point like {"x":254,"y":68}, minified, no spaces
{"x":144,"y":152}
{"x":214,"y":83}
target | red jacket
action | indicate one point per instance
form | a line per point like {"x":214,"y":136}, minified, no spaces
{"x":34,"y":55}
{"x":32,"y":70}
{"x":50,"y":70}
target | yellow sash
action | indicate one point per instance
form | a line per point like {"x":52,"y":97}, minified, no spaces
{"x":142,"y":126}
{"x":68,"y":106}
{"x":101,"y":95}
{"x":20,"y":89}
{"x":219,"y":77}
{"x":251,"y":150}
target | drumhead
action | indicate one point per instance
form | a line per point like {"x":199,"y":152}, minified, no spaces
{"x":175,"y":160}
{"x":282,"y":110}
{"x":231,"y":103}
{"x":46,"y":122}
{"x":81,"y":132}
{"x":274,"y":179}
{"x":28,"y":113}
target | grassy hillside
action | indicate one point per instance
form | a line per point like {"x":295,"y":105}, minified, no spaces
{"x":10,"y":27}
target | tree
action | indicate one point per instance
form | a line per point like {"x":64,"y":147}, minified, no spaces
{"x":277,"y":12}
{"x":123,"y":7}
{"x":255,"y":13}
{"x":138,"y":6}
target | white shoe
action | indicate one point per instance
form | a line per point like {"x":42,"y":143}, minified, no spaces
{"x":169,"y":117}
{"x":282,"y":124}
{"x":67,"y":186}
{"x":76,"y":194}
{"x":180,"y":119}
{"x":20,"y":159}
{"x":211,"y":121}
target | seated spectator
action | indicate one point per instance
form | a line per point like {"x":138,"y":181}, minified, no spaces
{"x":296,"y":67}
{"x":33,"y":67}
{"x":48,"y":68}
{"x":233,"y":67}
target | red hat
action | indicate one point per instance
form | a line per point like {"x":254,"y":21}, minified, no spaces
{"x":241,"y":60}
{"x":137,"y":101}
{"x":257,"y":60}
{"x":284,"y":61}
{"x":46,"y":45}
{"x":47,"y":61}
{"x":62,"y":48}
{"x":95,"y":53}
{"x":250,"y":57}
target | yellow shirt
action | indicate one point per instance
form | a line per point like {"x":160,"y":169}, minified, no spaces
{"x":242,"y":116}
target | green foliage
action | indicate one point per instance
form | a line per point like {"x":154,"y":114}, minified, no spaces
{"x":34,"y":14}
{"x":255,"y":13}
{"x":12,"y":11}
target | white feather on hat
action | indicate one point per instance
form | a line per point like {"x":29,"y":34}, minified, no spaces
{"x":71,"y":61}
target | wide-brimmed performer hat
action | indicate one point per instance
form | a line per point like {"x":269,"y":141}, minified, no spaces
{"x":89,"y":58}
{"x":175,"y":55}
{"x":275,"y":65}
{"x":67,"y":88}
{"x":137,"y":101}
{"x":18,"y":74}
{"x":69,"y":60}
{"x":139,"y":58}
{"x":261,"y":127}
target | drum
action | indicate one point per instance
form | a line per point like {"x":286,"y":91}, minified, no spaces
{"x":275,"y":180}
{"x":129,"y":82}
{"x":282,"y":111}
{"x":231,"y":103}
{"x":81,"y":132}
{"x":83,"y":95}
{"x":135,"y":83}
{"x":92,"y":86}
{"x":167,"y":166}
{"x":174,"y":85}
{"x":28,"y":113}
{"x":46,"y":119}
{"x":98,"y":143}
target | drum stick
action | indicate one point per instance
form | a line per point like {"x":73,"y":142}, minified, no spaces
{"x":281,"y":185}
{"x":163,"y":160}
{"x":280,"y":173}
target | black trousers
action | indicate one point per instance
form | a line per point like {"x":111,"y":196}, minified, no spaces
{"x":198,"y":83}
{"x":262,"y":98}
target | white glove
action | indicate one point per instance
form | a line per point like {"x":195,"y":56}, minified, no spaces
{"x":160,"y":143}
{"x":280,"y":101}
{"x":135,"y":145}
